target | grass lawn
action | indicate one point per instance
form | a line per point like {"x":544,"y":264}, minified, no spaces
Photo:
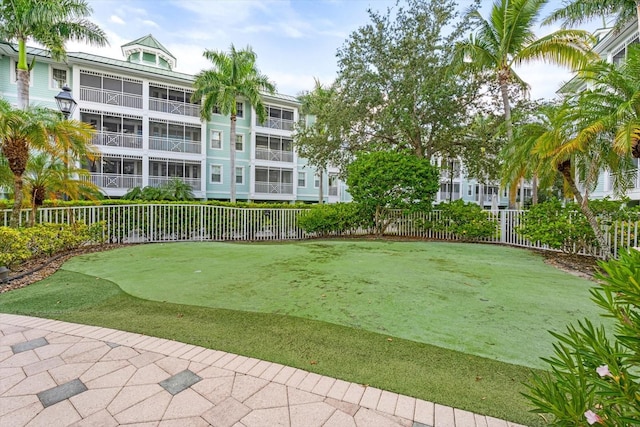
{"x":467,"y":321}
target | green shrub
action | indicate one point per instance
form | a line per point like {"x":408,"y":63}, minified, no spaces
{"x":13,"y":246}
{"x":594,"y":375}
{"x":557,"y":226}
{"x":335,"y":218}
{"x":466,"y":221}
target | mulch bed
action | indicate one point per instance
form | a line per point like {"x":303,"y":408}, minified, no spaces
{"x":39,"y":268}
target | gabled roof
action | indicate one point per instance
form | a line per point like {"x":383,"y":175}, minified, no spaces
{"x":148,"y":41}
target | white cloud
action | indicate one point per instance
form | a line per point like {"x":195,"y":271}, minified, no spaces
{"x":116,"y":20}
{"x":150,"y":23}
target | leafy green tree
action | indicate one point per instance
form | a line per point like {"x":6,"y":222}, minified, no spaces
{"x":506,"y":39}
{"x":380,"y":181}
{"x":38,"y":129}
{"x":49,"y":22}
{"x":234,"y":77}
{"x":395,"y":88}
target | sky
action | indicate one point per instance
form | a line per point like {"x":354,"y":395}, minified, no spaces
{"x":295,"y":40}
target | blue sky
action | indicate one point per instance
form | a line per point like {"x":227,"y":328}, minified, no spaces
{"x":295,"y":40}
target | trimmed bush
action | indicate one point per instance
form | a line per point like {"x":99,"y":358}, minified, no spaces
{"x":464,"y":221}
{"x":337,"y":218}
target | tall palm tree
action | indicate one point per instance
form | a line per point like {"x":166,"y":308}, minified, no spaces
{"x":580,"y":11}
{"x":506,"y":39}
{"x":38,"y":129}
{"x":234,"y":76}
{"x":50,"y":23}
{"x":47,"y":177}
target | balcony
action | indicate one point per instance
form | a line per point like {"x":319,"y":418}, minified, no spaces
{"x":158,"y":181}
{"x":174,"y":107}
{"x":276,"y":123}
{"x":273,"y":187}
{"x":110,"y":97}
{"x":274,"y":155}
{"x":117,"y":139}
{"x":112,"y":180}
{"x":174,"y":145}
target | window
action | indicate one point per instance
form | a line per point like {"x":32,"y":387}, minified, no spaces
{"x":58,"y":78}
{"x":239,"y":175}
{"x":316,"y":182}
{"x":14,"y":77}
{"x":302,"y":179}
{"x":239,"y":109}
{"x":239,"y":142}
{"x":216,"y":139}
{"x":216,"y":174}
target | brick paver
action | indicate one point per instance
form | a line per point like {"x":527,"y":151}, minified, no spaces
{"x":58,"y":373}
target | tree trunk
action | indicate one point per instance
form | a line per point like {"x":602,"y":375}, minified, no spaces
{"x":22,"y":76}
{"x":481,"y":195}
{"x":232,"y":158}
{"x":320,"y":195}
{"x":534,"y":190}
{"x":17,"y":201}
{"x":565,"y":169}
{"x":503,"y":79}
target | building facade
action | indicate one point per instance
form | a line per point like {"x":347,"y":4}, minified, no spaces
{"x":148,"y":131}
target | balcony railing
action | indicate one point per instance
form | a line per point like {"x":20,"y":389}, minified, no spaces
{"x":174,"y":107}
{"x":117,"y":139}
{"x":273,"y":187}
{"x":158,"y":181}
{"x":333,"y":191}
{"x":444,"y":195}
{"x":112,"y":180}
{"x":275,"y":123}
{"x":274,"y":155}
{"x":102,"y":96}
{"x":174,"y":145}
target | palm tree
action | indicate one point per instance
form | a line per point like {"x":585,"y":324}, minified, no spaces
{"x":47,"y":177}
{"x":50,"y":23}
{"x":581,"y":11}
{"x":506,"y":39}
{"x":38,"y":129}
{"x":234,"y":76}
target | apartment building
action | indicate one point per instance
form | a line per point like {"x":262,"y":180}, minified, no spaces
{"x":148,"y":131}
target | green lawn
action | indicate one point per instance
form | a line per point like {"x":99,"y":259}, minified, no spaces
{"x":336,"y":304}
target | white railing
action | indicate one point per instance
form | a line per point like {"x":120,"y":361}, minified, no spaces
{"x":112,"y":180}
{"x":275,"y":123}
{"x":186,"y":222}
{"x":274,"y":155}
{"x":273,"y":187}
{"x":117,"y":139}
{"x":110,"y":97}
{"x":175,"y":145}
{"x":174,"y":107}
{"x":158,"y":181}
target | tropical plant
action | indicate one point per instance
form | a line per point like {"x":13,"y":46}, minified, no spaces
{"x":47,"y":177}
{"x":234,"y":77}
{"x":50,"y":23}
{"x":580,"y":11}
{"x":593,"y":376}
{"x":506,"y":39}
{"x":175,"y":189}
{"x":39,"y":129}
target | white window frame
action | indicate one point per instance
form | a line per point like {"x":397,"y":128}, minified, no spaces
{"x":316,"y":181}
{"x":241,"y":136}
{"x":14,"y":74}
{"x":211,"y":139}
{"x":241,"y":176}
{"x":304,"y":179}
{"x":211,"y":181}
{"x":240,"y":111}
{"x":52,"y":81}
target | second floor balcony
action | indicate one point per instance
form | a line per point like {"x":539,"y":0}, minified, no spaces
{"x":117,"y":139}
{"x":174,"y":145}
{"x":277,"y":123}
{"x":264,"y":153}
{"x":174,"y":107}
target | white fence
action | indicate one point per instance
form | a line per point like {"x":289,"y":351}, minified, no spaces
{"x":187,"y":222}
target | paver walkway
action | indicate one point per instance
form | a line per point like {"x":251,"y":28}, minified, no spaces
{"x":56,"y":374}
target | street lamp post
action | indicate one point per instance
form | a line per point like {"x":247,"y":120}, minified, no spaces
{"x":66,"y":105}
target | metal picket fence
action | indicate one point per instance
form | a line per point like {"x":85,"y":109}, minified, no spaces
{"x":139,"y":223}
